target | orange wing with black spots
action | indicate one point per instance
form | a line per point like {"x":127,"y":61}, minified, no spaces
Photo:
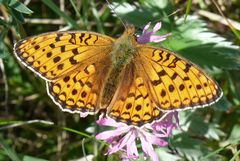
{"x":53,"y":55}
{"x":175,"y":83}
{"x":132,"y":103}
{"x":80,"y":91}
{"x":72,"y":64}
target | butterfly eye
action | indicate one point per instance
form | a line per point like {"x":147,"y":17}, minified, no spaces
{"x":135,"y":37}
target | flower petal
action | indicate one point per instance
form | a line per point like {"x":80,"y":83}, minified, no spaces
{"x":112,"y":133}
{"x":108,"y":122}
{"x":123,"y":142}
{"x":157,"y":27}
{"x":153,"y":139}
{"x":146,"y":28}
{"x":132,"y":151}
{"x":155,"y":38}
{"x":83,"y":114}
{"x":148,"y":149}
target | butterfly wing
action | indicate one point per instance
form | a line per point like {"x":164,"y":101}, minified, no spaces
{"x":53,"y":55}
{"x":158,"y":81}
{"x":175,"y":83}
{"x":74,"y":65}
{"x":132,"y":103}
{"x":80,"y":91}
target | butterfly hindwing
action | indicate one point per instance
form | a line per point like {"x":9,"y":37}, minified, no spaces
{"x":53,"y":55}
{"x":132,"y":103}
{"x":80,"y":91}
{"x":174,"y":82}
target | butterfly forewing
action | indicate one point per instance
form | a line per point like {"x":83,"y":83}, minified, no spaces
{"x":173,"y":82}
{"x":53,"y":55}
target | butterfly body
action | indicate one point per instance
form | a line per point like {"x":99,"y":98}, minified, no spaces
{"x":124,"y":50}
{"x":133,"y":83}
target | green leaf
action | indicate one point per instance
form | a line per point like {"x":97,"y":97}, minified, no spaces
{"x":3,"y":49}
{"x":16,"y":16}
{"x":189,"y":147}
{"x":149,"y":11}
{"x":192,"y":39}
{"x":5,"y":2}
{"x":223,"y":104}
{"x":8,"y":150}
{"x":236,"y":155}
{"x":4,"y":23}
{"x":194,"y":123}
{"x":164,"y":155}
{"x":214,"y":132}
{"x":97,"y":19}
{"x":214,"y":153}
{"x":55,"y":8}
{"x":75,"y":8}
{"x":189,"y":5}
{"x":18,"y":6}
{"x":196,"y":42}
{"x":31,"y":158}
{"x":234,"y":137}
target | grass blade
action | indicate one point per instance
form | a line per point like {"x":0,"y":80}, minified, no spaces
{"x":189,"y":5}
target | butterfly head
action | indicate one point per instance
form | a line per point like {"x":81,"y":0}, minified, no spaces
{"x":129,"y":34}
{"x":130,"y":30}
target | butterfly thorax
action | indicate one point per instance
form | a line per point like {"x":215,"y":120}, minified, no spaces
{"x":124,"y":50}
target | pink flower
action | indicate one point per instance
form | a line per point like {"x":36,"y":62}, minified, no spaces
{"x":83,"y":114}
{"x":124,"y":137}
{"x":149,"y":36}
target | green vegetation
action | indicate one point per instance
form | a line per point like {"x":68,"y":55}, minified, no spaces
{"x":33,"y":128}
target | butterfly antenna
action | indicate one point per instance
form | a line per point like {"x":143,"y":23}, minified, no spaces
{"x":112,"y":9}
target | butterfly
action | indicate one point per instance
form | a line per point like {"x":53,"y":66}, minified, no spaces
{"x":87,"y":72}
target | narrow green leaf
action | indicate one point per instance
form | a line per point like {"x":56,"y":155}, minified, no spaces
{"x":235,"y":32}
{"x":3,"y":48}
{"x":85,"y":8}
{"x":20,"y":123}
{"x":4,"y":122}
{"x":95,"y":14}
{"x":189,"y":5}
{"x":77,"y":132}
{"x":235,"y":156}
{"x":75,"y":8}
{"x":56,"y":9}
{"x":16,"y":15}
{"x":9,"y":151}
{"x":18,"y":6}
{"x":31,"y":158}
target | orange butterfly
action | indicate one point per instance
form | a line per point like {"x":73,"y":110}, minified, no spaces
{"x":133,"y":83}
